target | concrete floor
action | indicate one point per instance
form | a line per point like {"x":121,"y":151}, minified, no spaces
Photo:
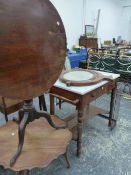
{"x":104,"y":152}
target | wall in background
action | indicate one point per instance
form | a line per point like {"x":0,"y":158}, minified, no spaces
{"x":109,"y":17}
{"x":71,"y":12}
{"x":125,"y":19}
{"x":125,"y":2}
{"x":74,"y":16}
{"x":125,"y":23}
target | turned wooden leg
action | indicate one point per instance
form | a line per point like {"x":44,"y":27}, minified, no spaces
{"x":112,"y":103}
{"x":52,"y":109}
{"x":79,"y":140}
{"x":21,"y":134}
{"x":79,"y":128}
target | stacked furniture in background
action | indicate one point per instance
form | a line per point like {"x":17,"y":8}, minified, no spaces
{"x":115,"y":61}
{"x":88,"y":42}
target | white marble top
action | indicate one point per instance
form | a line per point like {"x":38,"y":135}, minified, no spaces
{"x":85,"y":89}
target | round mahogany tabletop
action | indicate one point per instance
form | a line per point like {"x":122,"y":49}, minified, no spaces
{"x":32,"y":47}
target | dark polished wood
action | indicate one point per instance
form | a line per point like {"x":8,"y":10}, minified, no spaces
{"x":26,"y":115}
{"x":82,"y":102}
{"x":8,"y":105}
{"x":32,"y":55}
{"x":32,"y":47}
{"x":42,"y":103}
{"x":112,"y":122}
{"x":88,"y":42}
{"x":42,"y":144}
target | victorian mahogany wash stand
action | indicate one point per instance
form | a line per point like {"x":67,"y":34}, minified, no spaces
{"x":81,"y":97}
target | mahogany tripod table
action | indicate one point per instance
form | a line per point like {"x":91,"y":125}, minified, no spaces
{"x":32,"y":55}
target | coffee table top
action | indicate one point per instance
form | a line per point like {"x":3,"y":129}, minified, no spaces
{"x":32,"y":47}
{"x":85,"y":89}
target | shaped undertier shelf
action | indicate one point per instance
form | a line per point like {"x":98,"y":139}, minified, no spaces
{"x":42,"y":144}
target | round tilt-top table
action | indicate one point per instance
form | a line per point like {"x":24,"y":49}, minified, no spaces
{"x":32,"y":55}
{"x":32,"y":47}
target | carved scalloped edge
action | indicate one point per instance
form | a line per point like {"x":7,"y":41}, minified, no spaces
{"x":42,"y":165}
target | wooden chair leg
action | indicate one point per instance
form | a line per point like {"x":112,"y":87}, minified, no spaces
{"x":60,"y":103}
{"x":6,"y":117}
{"x":5,"y":111}
{"x":42,"y":103}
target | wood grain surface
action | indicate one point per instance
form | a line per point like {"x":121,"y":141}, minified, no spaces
{"x":32,"y":47}
{"x":42,"y":144}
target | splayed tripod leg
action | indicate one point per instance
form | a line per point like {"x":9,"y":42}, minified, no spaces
{"x":49,"y":119}
{"x":24,"y":172}
{"x":21,"y":134}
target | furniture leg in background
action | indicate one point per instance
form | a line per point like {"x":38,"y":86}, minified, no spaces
{"x":80,"y":119}
{"x":42,"y":103}
{"x":112,"y":121}
{"x":114,"y":108}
